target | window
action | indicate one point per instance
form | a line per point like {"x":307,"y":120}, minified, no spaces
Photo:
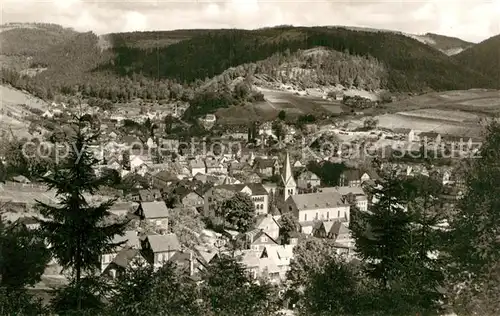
{"x":305,"y":217}
{"x":264,"y":239}
{"x":338,"y":214}
{"x":328,"y":215}
{"x":316,"y":217}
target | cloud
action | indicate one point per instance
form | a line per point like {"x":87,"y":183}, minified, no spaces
{"x":472,"y":20}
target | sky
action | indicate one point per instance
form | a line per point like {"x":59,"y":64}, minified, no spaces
{"x":472,"y":20}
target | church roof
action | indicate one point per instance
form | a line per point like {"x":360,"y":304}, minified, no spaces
{"x":287,"y":177}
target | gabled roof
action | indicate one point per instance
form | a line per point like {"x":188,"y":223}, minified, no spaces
{"x":163,"y":243}
{"x":130,"y":239}
{"x":154,"y":209}
{"x":264,"y":163}
{"x":339,"y":228}
{"x":318,"y":200}
{"x":126,"y":256}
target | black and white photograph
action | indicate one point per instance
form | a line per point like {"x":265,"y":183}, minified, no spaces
{"x":249,"y":158}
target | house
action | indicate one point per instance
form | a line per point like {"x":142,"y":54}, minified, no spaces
{"x":335,"y":230}
{"x":162,"y":179}
{"x":350,"y":194}
{"x":130,"y":240}
{"x":430,"y":137}
{"x":312,"y":207}
{"x":155,"y":213}
{"x":266,"y":166}
{"x":124,"y":258}
{"x":136,"y":162}
{"x":268,"y":224}
{"x":256,"y":191}
{"x":122,"y":208}
{"x":405,"y":134}
{"x":256,"y":239}
{"x":192,"y":199}
{"x":150,"y":195}
{"x":196,"y":166}
{"x":355,"y":177}
{"x":308,"y":180}
{"x":158,"y":249}
{"x":29,"y":222}
{"x":213,"y":166}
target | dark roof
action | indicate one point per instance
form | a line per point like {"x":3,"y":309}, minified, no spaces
{"x":166,"y":176}
{"x":264,"y":163}
{"x":257,"y":188}
{"x":125,"y":256}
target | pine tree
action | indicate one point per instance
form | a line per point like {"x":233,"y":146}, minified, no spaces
{"x":77,"y":231}
{"x":475,"y":234}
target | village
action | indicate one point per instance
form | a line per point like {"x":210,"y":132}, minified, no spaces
{"x":171,"y":175}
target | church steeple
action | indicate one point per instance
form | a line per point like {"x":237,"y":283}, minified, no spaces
{"x":289,"y":185}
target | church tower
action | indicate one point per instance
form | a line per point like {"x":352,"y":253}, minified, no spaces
{"x":288,"y":184}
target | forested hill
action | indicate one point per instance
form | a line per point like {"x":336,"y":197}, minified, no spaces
{"x":412,"y":65}
{"x":151,"y":65}
{"x":483,"y":57}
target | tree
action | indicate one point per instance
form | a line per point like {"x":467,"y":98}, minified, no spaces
{"x":335,"y":290}
{"x":474,"y":239}
{"x":282,"y":115}
{"x":76,"y":231}
{"x":225,"y":275}
{"x":397,"y":239}
{"x":23,"y":257}
{"x":239,"y":211}
{"x":142,"y":291}
{"x":370,"y":123}
{"x":310,"y":257}
{"x":187,"y":225}
{"x":288,"y":225}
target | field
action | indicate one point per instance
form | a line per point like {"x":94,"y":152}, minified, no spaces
{"x":12,"y":115}
{"x":452,"y":112}
{"x":276,"y":101}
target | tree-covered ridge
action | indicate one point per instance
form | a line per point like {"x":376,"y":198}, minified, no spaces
{"x":483,"y":57}
{"x":313,"y":68}
{"x":413,"y":66}
{"x":150,"y":39}
{"x":31,"y":39}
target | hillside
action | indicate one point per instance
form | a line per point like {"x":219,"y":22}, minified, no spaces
{"x":412,"y":65}
{"x":483,"y":57}
{"x":32,"y":38}
{"x":124,"y":66}
{"x":448,"y":45}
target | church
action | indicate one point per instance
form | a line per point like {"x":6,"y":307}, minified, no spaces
{"x":287,"y":185}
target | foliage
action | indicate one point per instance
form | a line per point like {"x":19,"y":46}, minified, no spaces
{"x":310,"y":256}
{"x":76,"y":231}
{"x":141,"y":290}
{"x":474,"y":241}
{"x":18,"y":302}
{"x":328,"y":172}
{"x":483,"y":58}
{"x":397,"y":238}
{"x":186,"y":224}
{"x":282,"y":115}
{"x":288,"y":224}
{"x":87,"y":293}
{"x":335,"y":290}
{"x":23,"y":256}
{"x":239,"y":211}
{"x":225,"y":275}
